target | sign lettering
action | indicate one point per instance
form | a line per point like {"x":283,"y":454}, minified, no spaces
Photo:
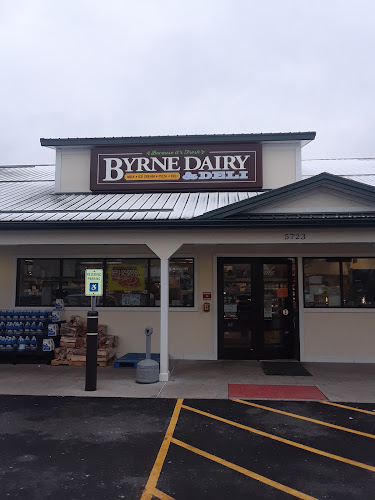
{"x":203,"y":168}
{"x":94,"y":282}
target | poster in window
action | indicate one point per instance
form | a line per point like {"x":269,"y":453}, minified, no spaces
{"x":315,"y":280}
{"x":131,"y":299}
{"x":282,"y":293}
{"x":174,"y":282}
{"x":126,"y":277}
{"x":309,"y":298}
{"x":316,"y":289}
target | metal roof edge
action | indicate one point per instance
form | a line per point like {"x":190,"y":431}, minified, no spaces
{"x":179,"y":139}
{"x":347,"y":221}
{"x":276,"y":194}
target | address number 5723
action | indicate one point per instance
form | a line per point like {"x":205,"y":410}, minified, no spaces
{"x":295,"y":236}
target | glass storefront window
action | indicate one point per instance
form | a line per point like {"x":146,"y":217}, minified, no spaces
{"x":154,"y":282}
{"x":181,"y":283}
{"x":128,"y":282}
{"x":339,"y":282}
{"x":359,"y":282}
{"x":38,"y":282}
{"x":322,"y":283}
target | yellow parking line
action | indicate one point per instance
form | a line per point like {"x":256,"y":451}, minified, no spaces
{"x":349,"y":407}
{"x":282,"y":440}
{"x":155,"y":473}
{"x":161,"y":495}
{"x":242,"y":470}
{"x":294,"y":415}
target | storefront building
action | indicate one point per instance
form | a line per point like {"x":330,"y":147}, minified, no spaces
{"x":215,"y":241}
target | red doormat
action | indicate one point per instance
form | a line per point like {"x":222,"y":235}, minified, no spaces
{"x":253,"y":391}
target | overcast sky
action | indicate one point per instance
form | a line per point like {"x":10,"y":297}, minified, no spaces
{"x":76,"y":68}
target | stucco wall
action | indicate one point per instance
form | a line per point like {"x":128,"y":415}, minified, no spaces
{"x":279,"y":166}
{"x":190,"y":331}
{"x":345,"y":336}
{"x":342,"y":336}
{"x":74,"y":172}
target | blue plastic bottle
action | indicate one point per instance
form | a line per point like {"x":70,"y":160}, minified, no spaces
{"x":3,"y":343}
{"x":27,"y":343}
{"x":9,"y":344}
{"x":33,"y":344}
{"x":21,"y":344}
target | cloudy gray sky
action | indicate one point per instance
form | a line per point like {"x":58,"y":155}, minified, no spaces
{"x":87,"y":68}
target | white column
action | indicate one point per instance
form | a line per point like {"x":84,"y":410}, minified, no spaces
{"x":164,"y":249}
{"x":164,"y":313}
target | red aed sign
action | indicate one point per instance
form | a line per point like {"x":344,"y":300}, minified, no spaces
{"x":206,"y":295}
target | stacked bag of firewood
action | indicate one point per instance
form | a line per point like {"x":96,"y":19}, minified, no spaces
{"x":72,"y":348}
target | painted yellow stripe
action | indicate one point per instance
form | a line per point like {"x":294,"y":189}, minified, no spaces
{"x":294,"y":415}
{"x":242,"y":470}
{"x":349,"y":407}
{"x":155,"y":473}
{"x":161,"y":495}
{"x":282,"y":440}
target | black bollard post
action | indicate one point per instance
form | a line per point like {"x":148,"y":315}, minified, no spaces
{"x":92,"y":350}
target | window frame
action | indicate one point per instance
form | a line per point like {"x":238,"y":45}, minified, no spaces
{"x":340,"y":261}
{"x":18,"y":271}
{"x":104,"y":260}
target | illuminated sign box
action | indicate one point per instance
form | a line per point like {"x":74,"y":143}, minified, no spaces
{"x":234,"y":167}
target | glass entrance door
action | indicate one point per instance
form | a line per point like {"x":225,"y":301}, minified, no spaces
{"x":256,"y":304}
{"x":237,"y":337}
{"x":278,"y":310}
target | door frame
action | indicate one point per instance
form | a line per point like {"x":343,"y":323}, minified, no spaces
{"x":260,"y":260}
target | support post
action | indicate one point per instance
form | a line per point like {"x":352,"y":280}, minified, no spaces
{"x":164,"y":312}
{"x":92,"y":347}
{"x":301,"y":308}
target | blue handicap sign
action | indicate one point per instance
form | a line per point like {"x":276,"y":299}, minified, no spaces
{"x":94,"y":287}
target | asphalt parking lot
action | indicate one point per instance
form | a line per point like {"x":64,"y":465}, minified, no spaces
{"x":56,"y":447}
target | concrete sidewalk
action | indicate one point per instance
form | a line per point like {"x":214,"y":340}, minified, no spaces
{"x":189,"y":379}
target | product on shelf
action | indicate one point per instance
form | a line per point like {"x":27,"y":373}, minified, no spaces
{"x":20,"y":330}
{"x":48,"y":345}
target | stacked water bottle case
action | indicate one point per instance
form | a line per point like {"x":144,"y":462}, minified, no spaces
{"x":26,"y":335}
